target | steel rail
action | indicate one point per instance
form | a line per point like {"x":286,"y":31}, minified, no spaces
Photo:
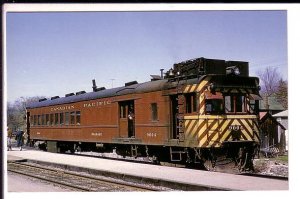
{"x":257,"y":175}
{"x":89,"y":179}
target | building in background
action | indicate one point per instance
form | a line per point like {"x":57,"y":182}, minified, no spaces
{"x":273,"y":125}
{"x":282,"y":118}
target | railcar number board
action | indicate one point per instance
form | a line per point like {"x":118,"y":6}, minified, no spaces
{"x":151,"y":134}
{"x":99,"y":134}
{"x":235,"y":127}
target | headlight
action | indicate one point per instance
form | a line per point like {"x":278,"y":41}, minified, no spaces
{"x":236,"y":71}
{"x":233,"y":70}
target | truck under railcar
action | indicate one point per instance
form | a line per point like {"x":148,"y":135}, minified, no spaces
{"x":203,"y":113}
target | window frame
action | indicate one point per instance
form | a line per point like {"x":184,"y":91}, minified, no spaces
{"x":154,"y":111}
{"x":233,"y":104}
{"x":77,"y":117}
{"x":191,"y":102}
{"x":52,"y":121}
{"x":213,"y":112}
{"x":67,"y":118}
{"x":47,"y":119}
{"x":61,"y":118}
{"x":73,"y":118}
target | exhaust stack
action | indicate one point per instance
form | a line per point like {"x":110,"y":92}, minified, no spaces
{"x":94,"y":85}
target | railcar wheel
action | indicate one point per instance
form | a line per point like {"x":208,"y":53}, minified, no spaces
{"x":208,"y":165}
{"x":155,"y":160}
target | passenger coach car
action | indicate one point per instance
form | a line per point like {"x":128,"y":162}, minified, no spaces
{"x":201,"y":112}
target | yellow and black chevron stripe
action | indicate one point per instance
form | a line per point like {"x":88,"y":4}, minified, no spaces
{"x":200,"y":88}
{"x":212,"y":131}
{"x":203,"y":86}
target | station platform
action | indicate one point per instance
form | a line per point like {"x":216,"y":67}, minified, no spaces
{"x":216,"y":180}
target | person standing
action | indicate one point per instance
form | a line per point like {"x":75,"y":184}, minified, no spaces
{"x":131,"y":132}
{"x":19,"y":138}
{"x":9,"y":136}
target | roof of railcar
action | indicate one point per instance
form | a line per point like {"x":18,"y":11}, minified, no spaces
{"x":145,"y":87}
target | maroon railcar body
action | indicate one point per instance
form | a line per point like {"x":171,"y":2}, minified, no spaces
{"x":197,"y":110}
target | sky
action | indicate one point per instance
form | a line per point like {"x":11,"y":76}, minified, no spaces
{"x":50,"y":54}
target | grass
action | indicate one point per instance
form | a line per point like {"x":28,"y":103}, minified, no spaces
{"x":283,"y":158}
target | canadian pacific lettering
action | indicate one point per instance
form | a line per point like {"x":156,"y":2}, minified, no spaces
{"x":95,"y":104}
{"x":62,"y":108}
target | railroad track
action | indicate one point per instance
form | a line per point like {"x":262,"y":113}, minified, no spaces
{"x":73,"y":180}
{"x":132,"y":160}
{"x":265,"y":176}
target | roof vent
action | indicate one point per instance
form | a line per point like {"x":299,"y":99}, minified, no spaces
{"x":55,"y":97}
{"x":69,"y":94}
{"x":131,"y":83}
{"x":156,"y":77}
{"x":43,"y":99}
{"x":80,"y":92}
{"x":100,"y":89}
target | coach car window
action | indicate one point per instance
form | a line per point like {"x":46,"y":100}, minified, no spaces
{"x":61,"y":118}
{"x":43,"y":119}
{"x":78,"y":117}
{"x":56,"y":118}
{"x":47,"y":120}
{"x":154,"y":115}
{"x":39,"y":120}
{"x":72,"y":114}
{"x":67,"y":118}
{"x":35,"y":120}
{"x":51,"y":119}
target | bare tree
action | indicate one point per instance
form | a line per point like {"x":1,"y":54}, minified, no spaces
{"x":271,"y":84}
{"x":16,"y":112}
{"x":270,"y":79}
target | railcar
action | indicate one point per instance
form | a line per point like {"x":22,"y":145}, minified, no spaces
{"x":202,"y":112}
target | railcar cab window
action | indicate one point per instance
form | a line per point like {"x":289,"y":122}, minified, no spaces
{"x":214,"y":103}
{"x":214,"y":106}
{"x":235,"y":104}
{"x":254,"y":103}
{"x":191,"y":102}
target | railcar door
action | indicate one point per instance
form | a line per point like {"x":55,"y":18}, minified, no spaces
{"x":127,"y":119}
{"x":174,"y":112}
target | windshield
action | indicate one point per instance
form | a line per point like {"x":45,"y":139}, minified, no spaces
{"x":229,"y":104}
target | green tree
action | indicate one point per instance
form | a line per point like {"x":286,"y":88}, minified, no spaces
{"x":282,"y":93}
